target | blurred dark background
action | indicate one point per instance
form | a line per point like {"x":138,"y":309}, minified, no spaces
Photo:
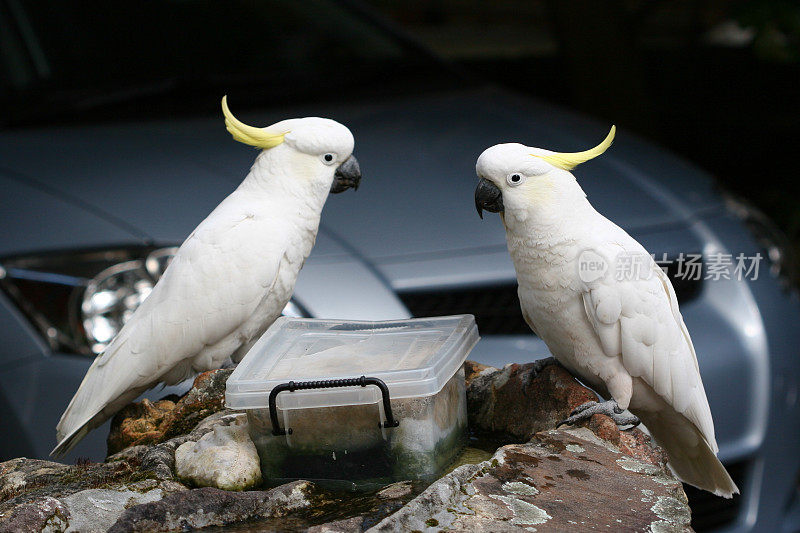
{"x":716,"y":81}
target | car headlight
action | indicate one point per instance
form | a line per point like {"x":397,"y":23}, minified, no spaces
{"x":777,"y":247}
{"x":80,"y":300}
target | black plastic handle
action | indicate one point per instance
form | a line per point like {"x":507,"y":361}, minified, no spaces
{"x":363,"y":381}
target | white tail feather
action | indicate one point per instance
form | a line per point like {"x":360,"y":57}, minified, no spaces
{"x":691,"y":458}
{"x":103,"y":391}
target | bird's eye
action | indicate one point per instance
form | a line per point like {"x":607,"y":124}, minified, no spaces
{"x":328,"y":158}
{"x":515,"y":179}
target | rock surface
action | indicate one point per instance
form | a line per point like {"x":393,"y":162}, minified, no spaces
{"x":224,"y":458}
{"x":98,"y":509}
{"x":42,"y":495}
{"x":549,"y":479}
{"x":158,"y":461}
{"x":214,"y":507}
{"x":562,"y":480}
{"x":24,"y":481}
{"x":519,"y":401}
{"x":145,"y":422}
{"x":347,"y":525}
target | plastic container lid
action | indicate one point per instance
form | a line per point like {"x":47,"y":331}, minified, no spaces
{"x":414,"y":357}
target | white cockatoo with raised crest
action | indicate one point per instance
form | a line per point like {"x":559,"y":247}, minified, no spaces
{"x":618,"y":331}
{"x":233,"y":275}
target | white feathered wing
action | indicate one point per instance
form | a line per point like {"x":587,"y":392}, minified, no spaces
{"x":193,"y":320}
{"x":639,"y":321}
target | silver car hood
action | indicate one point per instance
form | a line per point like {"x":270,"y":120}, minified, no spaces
{"x":157,"y":180}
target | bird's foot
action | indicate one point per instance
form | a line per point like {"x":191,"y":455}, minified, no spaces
{"x":609,"y":408}
{"x":539,"y":365}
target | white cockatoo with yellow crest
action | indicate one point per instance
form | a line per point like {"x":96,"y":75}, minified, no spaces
{"x":233,"y":275}
{"x":605,"y":309}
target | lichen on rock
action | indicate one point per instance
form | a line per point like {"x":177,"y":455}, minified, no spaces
{"x":558,"y":481}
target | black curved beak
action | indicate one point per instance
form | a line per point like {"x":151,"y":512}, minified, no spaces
{"x":488,"y":196}
{"x":347,"y":176}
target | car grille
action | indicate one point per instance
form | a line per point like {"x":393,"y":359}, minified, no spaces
{"x":710,"y":512}
{"x":496,"y":307}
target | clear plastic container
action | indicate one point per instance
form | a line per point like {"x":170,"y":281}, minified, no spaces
{"x":344,"y":432}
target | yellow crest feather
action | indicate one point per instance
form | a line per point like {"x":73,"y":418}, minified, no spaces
{"x":258,"y":137}
{"x":568,"y":161}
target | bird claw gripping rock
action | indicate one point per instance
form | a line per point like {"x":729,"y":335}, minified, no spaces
{"x":541,"y":364}
{"x":608,"y":408}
